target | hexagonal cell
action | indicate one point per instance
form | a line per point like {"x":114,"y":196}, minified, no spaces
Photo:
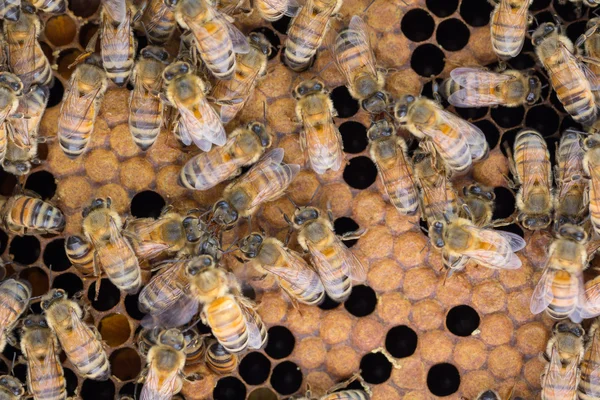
{"x":286,"y":378}
{"x":427,"y":60}
{"x":417,"y":25}
{"x":362,"y":301}
{"x":401,"y":341}
{"x":125,"y":364}
{"x":262,"y":394}
{"x":360,"y":172}
{"x":462,"y":320}
{"x":55,"y":256}
{"x":69,"y":282}
{"x":343,"y":225}
{"x":254,"y":368}
{"x":97,"y":390}
{"x":354,"y":137}
{"x":24,"y":249}
{"x":452,"y":34}
{"x":442,"y":8}
{"x":443,"y":379}
{"x":56,"y":94}
{"x":147,"y":204}
{"x":84,"y":8}
{"x":60,"y":30}
{"x":375,"y":367}
{"x":475,"y":12}
{"x":115,"y":329}
{"x":345,"y":105}
{"x":43,"y":183}
{"x":108,"y":295}
{"x":229,"y":388}
{"x":38,"y":280}
{"x":281,"y":342}
{"x":66,"y":58}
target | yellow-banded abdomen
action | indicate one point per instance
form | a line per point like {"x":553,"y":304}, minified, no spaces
{"x":80,"y":253}
{"x":14,"y":299}
{"x":508,"y":27}
{"x":227,"y":322}
{"x":159,"y":22}
{"x":32,"y":214}
{"x":219,"y":360}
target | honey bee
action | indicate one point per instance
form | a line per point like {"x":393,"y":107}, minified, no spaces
{"x":334,"y":262}
{"x":102,"y":227}
{"x":390,"y":154}
{"x":530,"y":166}
{"x":474,"y":87}
{"x":458,"y":142}
{"x":273,"y":10}
{"x":589,"y":385}
{"x":25,"y":55}
{"x":198,"y":121}
{"x":195,"y":347}
{"x":27,"y":214}
{"x":11,"y":89}
{"x":307,"y":31}
{"x":508,"y":27}
{"x":215,"y":37}
{"x":219,"y":360}
{"x":158,"y":22}
{"x":297,"y":279}
{"x":80,"y":105}
{"x":10,"y":10}
{"x":243,"y":148}
{"x":82,"y":343}
{"x":14,"y":300}
{"x":592,"y":169}
{"x":560,"y":380}
{"x":115,"y":10}
{"x":355,"y":59}
{"x":568,"y":339}
{"x":570,"y":78}
{"x":233,"y":94}
{"x":165,"y":363}
{"x":50,"y":6}
{"x":480,"y":203}
{"x":117,"y":45}
{"x":266,"y":181}
{"x":570,"y":203}
{"x":45,"y":376}
{"x":11,"y":388}
{"x":145,"y":108}
{"x":80,"y":253}
{"x":319,"y":137}
{"x":560,"y":290}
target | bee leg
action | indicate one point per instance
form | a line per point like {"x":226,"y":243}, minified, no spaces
{"x":353,"y":235}
{"x":11,"y":339}
{"x":435,"y":89}
{"x":191,"y":378}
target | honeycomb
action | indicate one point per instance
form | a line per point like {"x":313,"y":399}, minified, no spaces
{"x":446,"y":338}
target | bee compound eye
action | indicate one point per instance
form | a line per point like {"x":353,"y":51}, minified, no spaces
{"x":45,"y":304}
{"x":318,"y":86}
{"x":410,"y":98}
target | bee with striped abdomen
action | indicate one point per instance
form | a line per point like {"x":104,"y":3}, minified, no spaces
{"x":10,"y":10}
{"x":215,"y":37}
{"x":572,"y":81}
{"x":458,"y":142}
{"x":45,"y":376}
{"x":197,"y":122}
{"x":115,"y":10}
{"x":14,"y":300}
{"x":529,"y":163}
{"x":117,"y":45}
{"x":11,"y":388}
{"x":82,"y":344}
{"x":50,"y":6}
{"x":297,"y":279}
{"x":307,"y":31}
{"x":103,"y":228}
{"x":390,"y":154}
{"x":80,"y":253}
{"x":561,"y":376}
{"x":477,"y":87}
{"x":592,"y":50}
{"x":25,"y":56}
{"x":589,"y":385}
{"x":320,"y":139}
{"x":273,"y":10}
{"x":568,"y":339}
{"x":591,"y":166}
{"x":335,"y":264}
{"x":79,"y":108}
{"x":232,"y":95}
{"x":508,"y":27}
{"x":27,"y":214}
{"x":159,"y":22}
{"x":219,"y":360}
{"x":195,"y":346}
{"x":266,"y":181}
{"x":145,"y":108}
{"x":355,"y":59}
{"x":243,"y":148}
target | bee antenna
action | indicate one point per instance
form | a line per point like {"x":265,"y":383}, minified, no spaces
{"x":12,"y":364}
{"x":292,"y":201}
{"x":265,"y":112}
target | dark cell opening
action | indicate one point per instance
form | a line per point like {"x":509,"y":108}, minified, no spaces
{"x":567,"y":11}
{"x":281,"y":342}
{"x":401,"y":341}
{"x":125,"y":364}
{"x":85,"y":34}
{"x":24,"y":249}
{"x":360,"y":172}
{"x":131,"y":306}
{"x":107,"y":298}
{"x":71,"y":379}
{"x":262,"y":394}
{"x":281,"y":25}
{"x":452,"y":34}
{"x":508,"y":140}
{"x":540,"y":18}
{"x":147,"y":204}
{"x":328,"y":303}
{"x":505,"y":203}
{"x":417,"y":25}
{"x":472,"y":113}
{"x":97,"y":390}
{"x":65,"y":59}
{"x":3,"y":241}
{"x":539,"y":5}
{"x":84,"y":9}
{"x":132,"y":389}
{"x":142,"y":41}
{"x":375,"y":368}
{"x":423,"y":225}
{"x":442,"y":8}
{"x":522,"y":61}
{"x":70,"y":283}
{"x":476,"y":12}
{"x":345,"y":105}
{"x":443,"y":379}
{"x":552,"y":143}
{"x":7,"y":183}
{"x":513,"y":228}
{"x":427,"y":60}
{"x":508,"y":117}
{"x":229,"y":388}
{"x":568,"y":123}
{"x":56,"y":94}
{"x":20,"y":372}
{"x":272,"y":38}
{"x":114,"y":329}
{"x":254,"y":368}
{"x":575,"y":30}
{"x":43,"y":183}
{"x":43,"y":151}
{"x":10,"y":352}
{"x":492,"y":135}
{"x":38,"y":280}
{"x":362,"y":301}
{"x":462,"y":320}
{"x":55,"y":256}
{"x":286,"y":378}
{"x":344,"y":225}
{"x":543,"y":119}
{"x":556,"y":103}
{"x":248,"y":291}
{"x":354,"y":137}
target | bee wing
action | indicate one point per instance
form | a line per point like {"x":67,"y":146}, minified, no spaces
{"x":560,"y":382}
{"x":146,"y":104}
{"x":572,"y":72}
{"x":361,"y":41}
{"x":392,"y":174}
{"x":542,"y":294}
{"x":115,"y":40}
{"x":534,"y":174}
{"x":255,"y":337}
{"x":594,"y":374}
{"x":351,"y":265}
{"x":473,"y":135}
{"x":156,"y":17}
{"x":429,"y":197}
{"x":22,"y":64}
{"x":496,"y":248}
{"x":297,"y":271}
{"x":38,"y":370}
{"x":24,"y":129}
{"x":475,"y":78}
{"x":238,"y":40}
{"x":464,"y":98}
{"x":312,"y":22}
{"x":77,"y":106}
{"x":178,"y":314}
{"x":84,"y":334}
{"x":319,"y":140}
{"x":237,"y":90}
{"x":159,"y":385}
{"x":571,"y":172}
{"x":202,"y":124}
{"x":591,"y":308}
{"x":293,"y":8}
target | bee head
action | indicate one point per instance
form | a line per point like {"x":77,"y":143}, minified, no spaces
{"x":17,"y":167}
{"x":193,"y":340}
{"x":542,"y":32}
{"x":402,"y":106}
{"x":478,"y":191}
{"x":155,"y":53}
{"x":566,"y":326}
{"x":175,"y":70}
{"x":172,"y":338}
{"x":533,"y":222}
{"x":535,"y":90}
{"x":376,"y":103}
{"x":260,"y":42}
{"x":488,"y":395}
{"x":380,"y":129}
{"x":573,"y":232}
{"x":224,"y":214}
{"x":261,"y":132}
{"x":11,"y":82}
{"x":171,"y":3}
{"x":96,"y":205}
{"x":12,"y":384}
{"x":210,"y":246}
{"x":34,"y":321}
{"x":308,"y":87}
{"x":191,"y":228}
{"x":591,"y":141}
{"x":436,"y":234}
{"x":53,"y":295}
{"x":303,"y":215}
{"x":199,"y":264}
{"x":250,"y":245}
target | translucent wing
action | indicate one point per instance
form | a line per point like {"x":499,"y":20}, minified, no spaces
{"x":400,"y":169}
{"x":39,"y":371}
{"x":256,"y":336}
{"x":351,"y":266}
{"x":238,"y":40}
{"x":202,"y":123}
{"x":593,"y":368}
{"x":569,"y":158}
{"x":293,"y":8}
{"x":25,"y":129}
{"x":78,"y":107}
{"x":23,"y":56}
{"x":535,"y":174}
{"x":323,"y":145}
{"x":182,"y":312}
{"x":356,"y":36}
{"x":465,"y":98}
{"x":115,"y":41}
{"x":542,"y":294}
{"x":560,"y":382}
{"x":592,"y":299}
{"x":297,"y":271}
{"x":570,"y":73}
{"x":310,"y":19}
{"x":84,"y":335}
{"x":237,"y":91}
{"x":472,"y":134}
{"x":224,"y":170}
{"x":495,"y":248}
{"x":475,"y":78}
{"x":159,"y":385}
{"x":146,"y":105}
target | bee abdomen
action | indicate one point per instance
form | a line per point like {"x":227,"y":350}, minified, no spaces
{"x":217,"y":54}
{"x":228,"y":324}
{"x":219,"y":360}
{"x":347,"y":395}
{"x":145,"y":123}
{"x":35,"y":214}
